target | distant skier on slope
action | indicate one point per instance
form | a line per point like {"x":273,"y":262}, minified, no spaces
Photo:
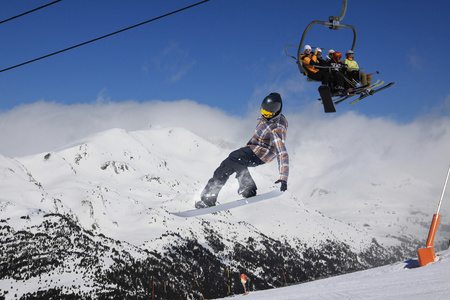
{"x":267,"y":143}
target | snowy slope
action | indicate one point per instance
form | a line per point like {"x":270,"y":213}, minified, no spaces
{"x":120,"y":186}
{"x":397,"y":281}
{"x":123,"y":184}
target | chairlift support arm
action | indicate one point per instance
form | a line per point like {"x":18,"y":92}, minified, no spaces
{"x":334,"y":23}
{"x":341,"y":16}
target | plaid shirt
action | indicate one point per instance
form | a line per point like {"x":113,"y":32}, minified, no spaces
{"x":268,"y":142}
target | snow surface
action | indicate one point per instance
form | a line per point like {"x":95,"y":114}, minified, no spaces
{"x":123,"y":184}
{"x":403,"y":280}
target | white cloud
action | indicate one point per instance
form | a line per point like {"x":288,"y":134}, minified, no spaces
{"x":174,"y":61}
{"x":415,"y":60}
{"x":420,"y":148}
{"x":44,"y":126}
{"x":317,"y":141}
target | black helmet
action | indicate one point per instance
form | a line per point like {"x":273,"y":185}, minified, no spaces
{"x":271,"y":106}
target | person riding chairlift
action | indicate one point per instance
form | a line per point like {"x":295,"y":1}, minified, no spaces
{"x":353,"y":70}
{"x":310,"y":60}
{"x":338,"y":70}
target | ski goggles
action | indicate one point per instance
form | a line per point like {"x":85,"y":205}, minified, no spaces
{"x":267,"y":114}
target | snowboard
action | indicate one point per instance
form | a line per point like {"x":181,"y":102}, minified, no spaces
{"x":227,"y":205}
{"x":327,"y":100}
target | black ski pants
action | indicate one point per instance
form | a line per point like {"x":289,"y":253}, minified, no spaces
{"x":323,"y":75}
{"x":339,"y":80}
{"x":237,"y":162}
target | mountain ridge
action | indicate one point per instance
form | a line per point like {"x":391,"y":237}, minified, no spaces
{"x":120,"y":186}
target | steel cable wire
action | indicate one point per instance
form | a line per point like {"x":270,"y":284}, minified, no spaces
{"x":104,"y":36}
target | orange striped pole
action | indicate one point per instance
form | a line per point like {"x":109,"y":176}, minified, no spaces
{"x":428,"y":255}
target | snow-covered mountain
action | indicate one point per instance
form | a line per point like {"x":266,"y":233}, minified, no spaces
{"x":92,"y":219}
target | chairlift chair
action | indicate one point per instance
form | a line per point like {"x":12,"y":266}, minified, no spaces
{"x":333,"y":23}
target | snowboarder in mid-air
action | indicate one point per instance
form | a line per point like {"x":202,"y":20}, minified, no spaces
{"x":267,"y":143}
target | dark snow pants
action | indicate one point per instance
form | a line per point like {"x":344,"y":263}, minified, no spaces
{"x":237,"y":162}
{"x":339,"y":80}
{"x":324,"y":76}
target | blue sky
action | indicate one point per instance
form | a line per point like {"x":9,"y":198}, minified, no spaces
{"x":225,"y":54}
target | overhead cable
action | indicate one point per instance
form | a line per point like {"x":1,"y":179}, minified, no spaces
{"x":104,"y":36}
{"x":30,"y":11}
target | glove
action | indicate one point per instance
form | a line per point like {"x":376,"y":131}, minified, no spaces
{"x":283,"y":186}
